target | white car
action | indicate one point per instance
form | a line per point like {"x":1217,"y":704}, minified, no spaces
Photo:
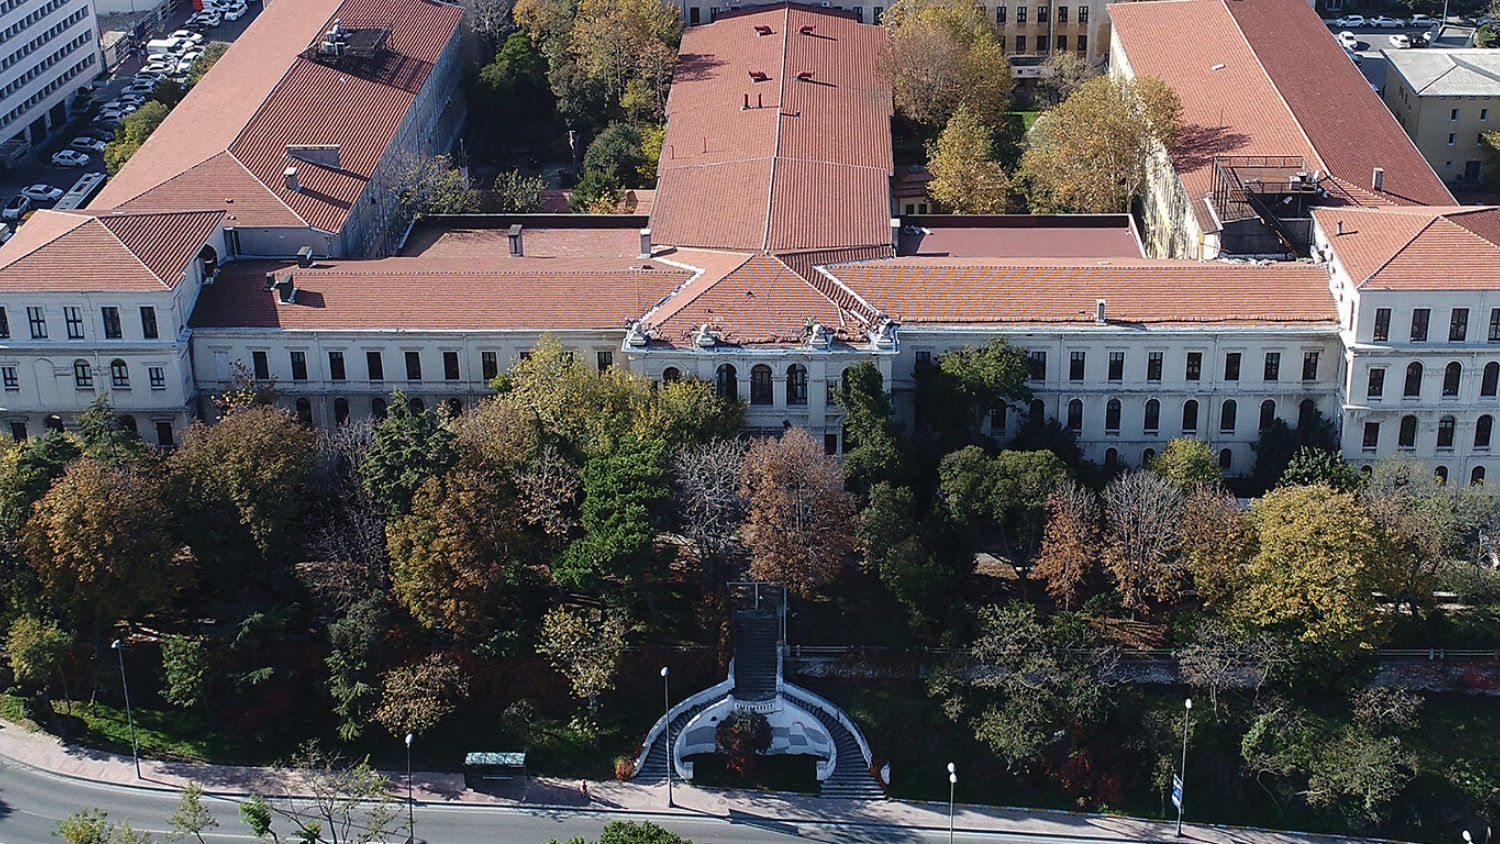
{"x":42,"y":193}
{"x":1420,"y":20}
{"x":1399,"y":41}
{"x":1350,"y":21}
{"x":1385,"y":22}
{"x":133,"y":100}
{"x":235,"y":13}
{"x":188,"y":36}
{"x":139,"y":89}
{"x":70,"y":158}
{"x":1348,"y":40}
{"x":87,"y":144}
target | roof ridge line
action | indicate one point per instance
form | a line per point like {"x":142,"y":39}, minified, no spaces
{"x":129,"y":251}
{"x":83,"y":218}
{"x":1255,"y":54}
{"x":786,"y":22}
{"x":270,"y":190}
{"x":854,"y":294}
{"x":1409,"y":241}
{"x":655,"y":312}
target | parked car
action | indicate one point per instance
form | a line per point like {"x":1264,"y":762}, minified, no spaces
{"x":1353,"y":56}
{"x":235,"y":13}
{"x":139,"y":89}
{"x":100,"y":133}
{"x":1399,"y":41}
{"x":205,"y":19}
{"x":117,"y":113}
{"x":1420,"y":20}
{"x":70,"y":158}
{"x":16,"y":207}
{"x":1350,"y":21}
{"x":1348,"y":40}
{"x":6,"y":233}
{"x":188,"y":36}
{"x":42,"y":193}
{"x":87,"y":144}
{"x":133,"y":100}
{"x":1385,"y":22}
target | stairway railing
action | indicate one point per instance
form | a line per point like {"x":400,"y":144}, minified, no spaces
{"x":712,"y":693}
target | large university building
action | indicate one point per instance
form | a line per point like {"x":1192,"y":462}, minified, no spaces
{"x":771,"y":260}
{"x":49,"y":52}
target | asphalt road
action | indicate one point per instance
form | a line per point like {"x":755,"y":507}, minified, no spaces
{"x":32,"y":802}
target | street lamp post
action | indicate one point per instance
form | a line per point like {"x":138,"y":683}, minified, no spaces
{"x":135,"y":747}
{"x":1186,"y":714}
{"x":411,"y":818}
{"x":1470,"y":839}
{"x":666,"y":695}
{"x":952,"y":784}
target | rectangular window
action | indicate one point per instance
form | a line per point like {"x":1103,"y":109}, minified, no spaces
{"x":375,"y":366}
{"x":1232,"y":366}
{"x":1043,"y":13}
{"x":1116,"y":359}
{"x":1376,"y":388}
{"x":1372,"y":435}
{"x":1041,"y":43}
{"x":4,"y":325}
{"x":1494,"y":325}
{"x":1382,"y":324}
{"x":148,"y":322}
{"x":489,"y":362}
{"x":1083,"y":40}
{"x":1453,"y":115}
{"x":1021,"y":42}
{"x":1309,"y":366}
{"x":1484,"y":114}
{"x":1153,"y":366}
{"x":11,"y":376}
{"x":695,"y":15}
{"x":924,"y":358}
{"x":1020,"y":15}
{"x":1062,"y":43}
{"x":336,"y":366}
{"x":1062,"y":14}
{"x":158,"y":377}
{"x":73,"y":316}
{"x":261,"y":364}
{"x":1000,"y":14}
{"x":450,"y":366}
{"x":1419,"y":324}
{"x":1273,"y":366}
{"x":164,"y":437}
{"x":1083,"y":14}
{"x":299,"y":366}
{"x":1194,"y":369}
{"x":605,"y":360}
{"x":1075,"y":366}
{"x":1036,"y":363}
{"x":111,"y":319}
{"x":1452,"y":138}
{"x":1458,"y":325}
{"x":414,"y":366}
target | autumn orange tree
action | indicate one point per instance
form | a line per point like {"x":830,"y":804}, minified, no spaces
{"x":1070,"y":542}
{"x":799,"y":523}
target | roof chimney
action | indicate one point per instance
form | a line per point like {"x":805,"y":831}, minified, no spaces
{"x":270,"y":281}
{"x":305,"y":257}
{"x":1377,"y":181}
{"x":286,"y":290}
{"x":1099,"y":312}
{"x":645,"y":243}
{"x":290,"y":175}
{"x":515,"y":241}
{"x":1339,"y":227}
{"x":747,"y":103}
{"x":758,"y":76}
{"x":896,"y":232}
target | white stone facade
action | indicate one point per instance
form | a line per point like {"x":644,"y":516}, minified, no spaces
{"x":49,"y":51}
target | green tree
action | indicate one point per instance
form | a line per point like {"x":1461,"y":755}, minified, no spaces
{"x":428,"y":186}
{"x":517,"y":194}
{"x":585,"y":648}
{"x":966,"y":384}
{"x":340,"y":802}
{"x":191,"y":817}
{"x":799,"y":523}
{"x":184,"y":665}
{"x":417,"y":696}
{"x":598,"y":192}
{"x":966,"y":178}
{"x":617,"y":42}
{"x":354,"y":642}
{"x":92,"y":826}
{"x":894,"y":549}
{"x":212,"y":52}
{"x":1311,"y":466}
{"x":1216,"y":542}
{"x":134,"y":130}
{"x":1090,"y":153}
{"x":410,"y":446}
{"x":944,"y":54}
{"x":617,"y":153}
{"x":632,"y":832}
{"x":36,"y":648}
{"x":872,"y":444}
{"x":1188,"y":463}
{"x":1277,"y":444}
{"x":620,"y":490}
{"x":1008,"y":491}
{"x":653,"y":136}
{"x":28,"y":469}
{"x":105,"y":435}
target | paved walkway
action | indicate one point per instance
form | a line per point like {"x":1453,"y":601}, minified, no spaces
{"x":45,"y":752}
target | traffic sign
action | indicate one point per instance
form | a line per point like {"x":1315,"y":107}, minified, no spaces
{"x":1177,"y":791}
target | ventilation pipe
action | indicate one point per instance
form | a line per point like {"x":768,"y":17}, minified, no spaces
{"x":1338,"y":227}
{"x":896,"y":232}
{"x":1099,"y":318}
{"x":286,"y":290}
{"x":515,"y":241}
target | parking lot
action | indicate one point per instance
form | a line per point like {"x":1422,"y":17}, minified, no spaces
{"x":1456,"y":33}
{"x":38,"y":167}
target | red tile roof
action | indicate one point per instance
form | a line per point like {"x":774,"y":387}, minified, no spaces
{"x":1264,"y":77}
{"x":807,"y":165}
{"x":71,"y":251}
{"x":946,"y":292}
{"x":433,"y":294}
{"x":551,"y":239}
{"x":1022,"y":236}
{"x":1452,"y":248}
{"x":227,"y":139}
{"x":761,"y":301}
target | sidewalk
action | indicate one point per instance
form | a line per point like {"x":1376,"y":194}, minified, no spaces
{"x":47,"y":753}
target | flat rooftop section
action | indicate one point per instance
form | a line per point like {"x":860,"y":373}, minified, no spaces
{"x":1020,"y":236}
{"x":1448,"y":72}
{"x":542,"y":236}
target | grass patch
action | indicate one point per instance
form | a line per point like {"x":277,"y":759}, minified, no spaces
{"x":768,"y":773}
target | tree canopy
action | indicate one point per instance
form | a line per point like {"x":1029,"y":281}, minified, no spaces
{"x":944,"y":54}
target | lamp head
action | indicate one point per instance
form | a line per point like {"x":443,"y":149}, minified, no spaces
{"x":663,"y":671}
{"x":1188,"y":703}
{"x":115,"y":644}
{"x":951,"y":768}
{"x":408,"y":739}
{"x":1468,"y":837}
{"x":953,"y":779}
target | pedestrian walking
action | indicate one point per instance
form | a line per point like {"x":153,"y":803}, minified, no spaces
{"x":583,"y":788}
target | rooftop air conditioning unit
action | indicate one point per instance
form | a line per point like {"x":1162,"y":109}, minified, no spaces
{"x":827,"y":4}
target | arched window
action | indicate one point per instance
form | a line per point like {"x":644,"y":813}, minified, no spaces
{"x":1153,"y":416}
{"x":1226,"y":459}
{"x":340,"y":411}
{"x":377,"y":408}
{"x":128,"y":423}
{"x":417,"y":406}
{"x":796,"y":384}
{"x":83,"y":374}
{"x":1476,"y":477}
{"x":1112,"y":417}
{"x":455,"y":407}
{"x":844,"y":381}
{"x":54,"y":423}
{"x":1267,"y":414}
{"x":1445,"y":432}
{"x":1075,"y":415}
{"x":1366,"y":471}
{"x":1408,"y":434}
{"x":209,"y":257}
{"x":1483,"y":427}
{"x":1440,"y":474}
{"x":760,"y":384}
{"x":1190,"y":416}
{"x":1037,"y":413}
{"x":1452,"y":374}
{"x":1413,"y":380}
{"x":119,"y":374}
{"x":727,"y":382}
{"x":1226,"y":417}
{"x":1111,"y":458}
{"x":1491,"y":380}
{"x":1306,"y":413}
{"x":1147,"y":456}
{"x":304,"y":412}
{"x":671,"y":373}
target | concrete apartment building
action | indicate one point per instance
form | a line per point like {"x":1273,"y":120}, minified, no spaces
{"x":1444,"y":99}
{"x":49,"y":52}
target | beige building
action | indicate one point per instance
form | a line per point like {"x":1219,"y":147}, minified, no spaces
{"x":1444,"y":100}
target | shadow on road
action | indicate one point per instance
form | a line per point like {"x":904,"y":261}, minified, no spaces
{"x":841,"y":835}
